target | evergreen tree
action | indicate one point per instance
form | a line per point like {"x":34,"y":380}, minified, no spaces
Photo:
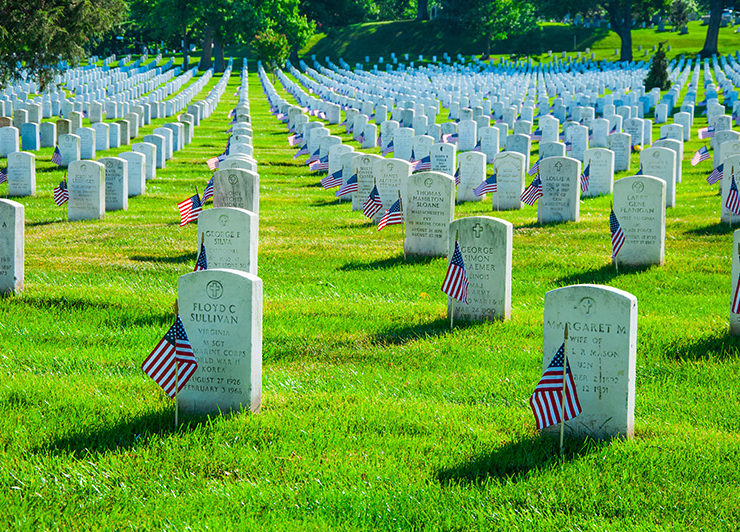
{"x":658,"y":74}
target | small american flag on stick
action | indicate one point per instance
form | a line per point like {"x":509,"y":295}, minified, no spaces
{"x":733,"y":199}
{"x":456,"y":282}
{"x":392,"y":216}
{"x":488,"y":185}
{"x":716,"y":174}
{"x":547,"y":399}
{"x":533,"y":192}
{"x":172,"y":362}
{"x":349,"y":187}
{"x":201,"y":262}
{"x":372,"y":204}
{"x":702,"y":154}
{"x":190,"y":209}
{"x":617,"y":233}
{"x":61,"y":194}
{"x":56,"y":157}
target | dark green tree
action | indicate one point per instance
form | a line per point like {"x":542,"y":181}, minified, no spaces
{"x":658,"y":73}
{"x":679,"y":14}
{"x":711,"y":41}
{"x":35,"y":35}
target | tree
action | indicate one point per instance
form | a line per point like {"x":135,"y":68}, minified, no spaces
{"x":272,"y":49}
{"x":619,"y":12}
{"x":422,"y":9}
{"x":36,"y":35}
{"x":711,"y":41}
{"x":658,"y":73}
{"x":679,"y":14}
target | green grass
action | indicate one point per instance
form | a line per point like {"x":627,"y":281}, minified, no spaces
{"x":379,"y":39}
{"x":375,"y":415}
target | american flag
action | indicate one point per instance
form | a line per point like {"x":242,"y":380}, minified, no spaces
{"x":477,"y":147}
{"x":546,"y":401}
{"x":388,"y":149}
{"x":372,"y":204}
{"x":413,"y":156}
{"x":208,"y":191}
{"x":61,"y":194}
{"x":456,"y":282}
{"x":202,"y":262}
{"x":702,"y":154}
{"x":533,"y":192}
{"x":537,"y":135}
{"x":488,"y":185}
{"x":733,"y":199}
{"x":349,"y":187}
{"x":614,"y":129}
{"x":568,"y":146}
{"x":295,"y":139}
{"x":3,"y":175}
{"x":172,"y":354}
{"x":617,"y":233}
{"x":392,"y":216}
{"x":314,"y":157}
{"x":639,"y":172}
{"x":706,"y":132}
{"x":736,"y":298}
{"x":332,"y":180}
{"x":458,"y":179}
{"x":425,"y":163}
{"x":56,"y":157}
{"x":213,"y":163}
{"x":190,"y":209}
{"x":585,"y":178}
{"x":302,"y":151}
{"x":320,"y":165}
{"x":716,"y":174}
{"x":379,"y":141}
{"x":361,"y":138}
{"x":232,"y":113}
{"x":535,"y":168}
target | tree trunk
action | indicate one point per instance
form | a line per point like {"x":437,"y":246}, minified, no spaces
{"x":184,"y":42}
{"x":620,"y":16}
{"x":218,"y":53}
{"x":712,"y":38}
{"x":422,"y":9}
{"x":205,"y":58}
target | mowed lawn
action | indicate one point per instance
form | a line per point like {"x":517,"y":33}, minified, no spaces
{"x":375,"y":415}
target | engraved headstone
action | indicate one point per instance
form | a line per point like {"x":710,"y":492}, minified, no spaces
{"x":560,"y":201}
{"x":443,"y":156}
{"x":136,"y":177}
{"x":639,"y":205}
{"x":21,"y":174}
{"x":428,"y":210}
{"x":69,"y":147}
{"x":221,"y":311}
{"x":86,"y":187}
{"x":472,"y":168}
{"x":362,"y":165}
{"x":236,"y":188}
{"x":485,"y":244}
{"x":601,"y":351}
{"x":116,"y":183}
{"x":509,"y":169}
{"x":12,"y":244}
{"x":230,"y":238}
{"x":661,"y":163}
{"x":621,"y":145}
{"x":600,"y":164}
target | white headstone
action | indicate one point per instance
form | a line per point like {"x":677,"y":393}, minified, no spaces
{"x":601,"y":352}
{"x":230,"y":238}
{"x":116,"y":183}
{"x":509,"y":169}
{"x":221,"y":311}
{"x":428,"y":209}
{"x":136,"y":176}
{"x":12,"y":244}
{"x":600,"y":164}
{"x":560,"y":201}
{"x":485,"y":244}
{"x":86,"y":187}
{"x":639,"y":205}
{"x":236,"y":188}
{"x":661,"y":163}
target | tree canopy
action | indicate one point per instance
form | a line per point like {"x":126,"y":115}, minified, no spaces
{"x":36,"y":35}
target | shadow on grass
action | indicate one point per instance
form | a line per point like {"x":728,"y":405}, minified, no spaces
{"x":125,"y":434}
{"x":719,"y":347}
{"x":515,"y":459}
{"x":177,"y":259}
{"x":600,"y":275}
{"x":385,"y":264}
{"x":44,"y":222}
{"x":402,"y":335}
{"x":720,"y":228}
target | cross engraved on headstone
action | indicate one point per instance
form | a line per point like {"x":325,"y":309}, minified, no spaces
{"x":558,"y":166}
{"x":586,"y":304}
{"x":215,"y":289}
{"x":477,"y":230}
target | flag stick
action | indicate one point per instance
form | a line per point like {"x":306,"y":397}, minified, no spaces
{"x":403,"y":225}
{"x":452,"y":305}
{"x":562,"y":399}
{"x":177,"y":372}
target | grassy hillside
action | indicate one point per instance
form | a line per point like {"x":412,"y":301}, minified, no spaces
{"x":378,"y":39}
